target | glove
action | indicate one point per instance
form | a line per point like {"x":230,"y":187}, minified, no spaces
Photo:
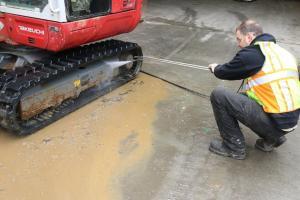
{"x":212,"y":67}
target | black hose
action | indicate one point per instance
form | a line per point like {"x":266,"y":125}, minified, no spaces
{"x":179,"y":86}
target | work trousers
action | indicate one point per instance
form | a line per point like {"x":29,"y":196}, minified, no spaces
{"x":230,"y":108}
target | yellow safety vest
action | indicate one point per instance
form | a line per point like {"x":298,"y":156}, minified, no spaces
{"x":276,"y":86}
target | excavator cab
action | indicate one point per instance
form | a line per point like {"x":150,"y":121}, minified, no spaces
{"x":74,"y":8}
{"x":66,"y":10}
{"x":85,"y":8}
{"x":56,"y":25}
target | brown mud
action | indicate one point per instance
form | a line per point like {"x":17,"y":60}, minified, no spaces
{"x":85,"y":154}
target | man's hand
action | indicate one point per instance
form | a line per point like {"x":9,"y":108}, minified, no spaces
{"x":212,"y":67}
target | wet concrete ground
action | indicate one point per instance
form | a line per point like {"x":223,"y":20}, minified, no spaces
{"x":202,"y":32}
{"x":84,"y":155}
{"x":149,"y":139}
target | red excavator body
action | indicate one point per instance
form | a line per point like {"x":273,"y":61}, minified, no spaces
{"x":57,"y":36}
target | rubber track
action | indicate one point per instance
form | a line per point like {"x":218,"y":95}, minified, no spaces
{"x":14,"y":83}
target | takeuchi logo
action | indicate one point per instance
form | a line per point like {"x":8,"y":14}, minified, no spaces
{"x":32,"y":30}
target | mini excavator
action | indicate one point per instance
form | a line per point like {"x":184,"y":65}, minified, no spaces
{"x":53,"y":59}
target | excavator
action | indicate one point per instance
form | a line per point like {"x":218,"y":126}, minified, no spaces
{"x":54,"y":59}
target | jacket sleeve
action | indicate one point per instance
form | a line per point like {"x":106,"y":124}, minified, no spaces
{"x":246,"y":63}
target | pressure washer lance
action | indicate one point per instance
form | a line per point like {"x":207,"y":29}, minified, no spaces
{"x":186,"y":65}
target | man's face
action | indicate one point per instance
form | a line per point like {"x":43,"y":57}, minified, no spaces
{"x":244,"y":40}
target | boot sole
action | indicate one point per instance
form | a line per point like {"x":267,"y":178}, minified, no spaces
{"x":237,"y":157}
{"x":258,"y":146}
{"x":262,"y":148}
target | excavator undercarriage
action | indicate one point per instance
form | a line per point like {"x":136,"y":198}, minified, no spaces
{"x":43,"y":91}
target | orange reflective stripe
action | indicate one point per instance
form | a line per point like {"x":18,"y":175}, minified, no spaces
{"x":259,"y":74}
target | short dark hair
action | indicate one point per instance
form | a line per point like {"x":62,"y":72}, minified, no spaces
{"x":250,"y":26}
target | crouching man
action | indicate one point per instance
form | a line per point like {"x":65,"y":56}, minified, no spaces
{"x":270,"y":98}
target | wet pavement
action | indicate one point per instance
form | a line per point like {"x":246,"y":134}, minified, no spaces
{"x":148,"y":140}
{"x":202,"y":32}
{"x":83,"y":155}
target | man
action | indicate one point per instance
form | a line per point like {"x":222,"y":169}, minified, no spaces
{"x":270,"y":101}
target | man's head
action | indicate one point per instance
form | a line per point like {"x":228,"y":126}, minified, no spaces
{"x":247,"y":31}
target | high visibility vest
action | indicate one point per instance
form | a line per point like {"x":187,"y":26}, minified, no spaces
{"x":276,"y":86}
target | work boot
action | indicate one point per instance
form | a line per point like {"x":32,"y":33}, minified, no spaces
{"x":217,"y":146}
{"x":266,"y":146}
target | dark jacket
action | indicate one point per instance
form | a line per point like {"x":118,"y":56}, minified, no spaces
{"x":247,"y":62}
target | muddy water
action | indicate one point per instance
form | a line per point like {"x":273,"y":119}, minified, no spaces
{"x":84,"y":155}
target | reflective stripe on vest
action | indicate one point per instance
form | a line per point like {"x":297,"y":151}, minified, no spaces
{"x":271,"y":77}
{"x":276,"y":86}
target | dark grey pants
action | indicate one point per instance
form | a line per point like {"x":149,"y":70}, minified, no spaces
{"x":230,"y":107}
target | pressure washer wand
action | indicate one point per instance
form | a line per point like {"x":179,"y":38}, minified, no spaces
{"x":186,"y":65}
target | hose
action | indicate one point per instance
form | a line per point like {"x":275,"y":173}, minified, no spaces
{"x":186,"y":65}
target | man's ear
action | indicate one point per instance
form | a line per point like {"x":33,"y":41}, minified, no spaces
{"x":250,"y":37}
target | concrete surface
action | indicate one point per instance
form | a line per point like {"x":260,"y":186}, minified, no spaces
{"x":148,"y":140}
{"x":181,"y":168}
